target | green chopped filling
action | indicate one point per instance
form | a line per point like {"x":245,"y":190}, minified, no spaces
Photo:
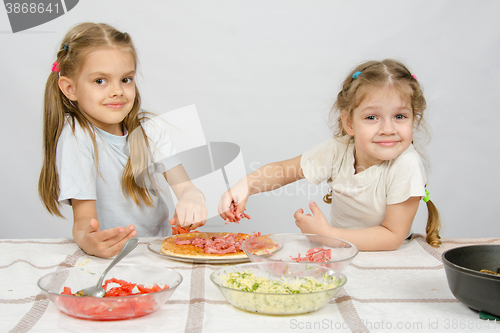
{"x":247,"y":281}
{"x":279,"y":296}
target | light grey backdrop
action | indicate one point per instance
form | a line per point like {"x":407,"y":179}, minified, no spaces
{"x":263,"y":74}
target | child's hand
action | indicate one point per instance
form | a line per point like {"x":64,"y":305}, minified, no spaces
{"x":232,"y":204}
{"x":106,"y":243}
{"x":190,"y":211}
{"x":311,"y":224}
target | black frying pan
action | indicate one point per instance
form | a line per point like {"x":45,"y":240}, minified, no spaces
{"x":479,"y":291}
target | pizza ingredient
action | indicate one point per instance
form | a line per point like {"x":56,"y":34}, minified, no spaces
{"x":110,"y":306}
{"x":489,"y":272}
{"x":193,"y":245}
{"x":181,"y":230}
{"x":217,"y":244}
{"x":238,"y":217}
{"x":278,"y":296}
{"x":261,"y":245}
{"x":248,"y":281}
{"x":115,"y":287}
{"x":316,"y":254}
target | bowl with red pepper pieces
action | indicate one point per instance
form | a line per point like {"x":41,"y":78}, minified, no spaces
{"x":330,"y":252}
{"x":131,"y":290}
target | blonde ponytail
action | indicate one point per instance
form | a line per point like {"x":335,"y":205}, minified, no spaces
{"x":53,"y":122}
{"x":133,"y":181}
{"x":433,"y":225}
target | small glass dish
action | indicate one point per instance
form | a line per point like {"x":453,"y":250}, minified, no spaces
{"x":280,"y":303}
{"x":109,"y":308}
{"x":285,"y":247}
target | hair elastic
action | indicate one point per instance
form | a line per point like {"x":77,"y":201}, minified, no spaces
{"x":414,"y":76}
{"x":426,"y":198}
{"x":66,"y":47}
{"x":55,"y":67}
{"x":355,"y":75}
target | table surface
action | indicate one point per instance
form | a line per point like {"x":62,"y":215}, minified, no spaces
{"x":404,"y":290}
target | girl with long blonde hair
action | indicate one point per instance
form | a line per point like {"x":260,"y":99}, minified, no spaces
{"x":101,"y":152}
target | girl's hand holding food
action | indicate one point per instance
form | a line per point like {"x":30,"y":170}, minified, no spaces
{"x":232,"y":203}
{"x":190,"y":211}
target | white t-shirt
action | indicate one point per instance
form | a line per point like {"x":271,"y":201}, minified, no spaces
{"x":360,"y":200}
{"x":79,"y":178}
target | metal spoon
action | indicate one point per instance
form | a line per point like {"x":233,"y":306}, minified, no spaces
{"x":98,"y":290}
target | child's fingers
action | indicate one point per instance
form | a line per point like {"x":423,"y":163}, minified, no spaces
{"x":116,"y":248}
{"x":114,"y":235}
{"x":189,"y":219}
{"x":181,"y":215}
{"x":131,"y":229}
{"x":223,"y":216}
{"x":220,"y":208}
{"x":225,"y":205}
{"x":173,"y":220}
{"x":298,"y":214}
{"x":127,"y":233}
{"x":315,"y":209}
{"x":93,"y":226}
{"x":194,"y":218}
{"x":204,"y":215}
{"x":240,"y":209}
{"x":224,"y":202}
{"x":227,"y":213}
{"x":302,"y":219}
{"x":228,"y":216}
{"x":93,"y":230}
{"x":105,"y":235}
{"x":109,"y":242}
{"x":197,"y":219}
{"x":116,"y":243}
{"x":234,"y":211}
{"x":179,"y":230}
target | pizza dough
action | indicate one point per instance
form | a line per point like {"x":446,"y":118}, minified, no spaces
{"x":171,"y":246}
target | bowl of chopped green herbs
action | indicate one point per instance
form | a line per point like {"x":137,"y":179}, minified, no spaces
{"x":278,"y":288}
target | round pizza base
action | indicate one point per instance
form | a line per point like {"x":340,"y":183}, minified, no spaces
{"x":262,"y":246}
{"x":171,"y":249}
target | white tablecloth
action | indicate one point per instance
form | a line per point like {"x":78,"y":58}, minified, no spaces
{"x":404,"y":290}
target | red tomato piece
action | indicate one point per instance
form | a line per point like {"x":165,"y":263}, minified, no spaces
{"x":67,"y":291}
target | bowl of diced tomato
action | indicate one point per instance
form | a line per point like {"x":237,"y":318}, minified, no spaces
{"x":131,"y":290}
{"x":330,"y":252}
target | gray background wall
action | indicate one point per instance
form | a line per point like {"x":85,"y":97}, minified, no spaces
{"x":263,"y":74}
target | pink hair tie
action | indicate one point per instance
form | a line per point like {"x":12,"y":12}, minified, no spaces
{"x":55,"y":67}
{"x":414,"y":76}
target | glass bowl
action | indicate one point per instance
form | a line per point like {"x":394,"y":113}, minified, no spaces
{"x":279,"y":303}
{"x":109,"y":308}
{"x":284,"y":247}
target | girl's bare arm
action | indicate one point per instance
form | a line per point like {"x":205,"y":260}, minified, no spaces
{"x":191,"y":210}
{"x":267,"y":178}
{"x":386,"y":237}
